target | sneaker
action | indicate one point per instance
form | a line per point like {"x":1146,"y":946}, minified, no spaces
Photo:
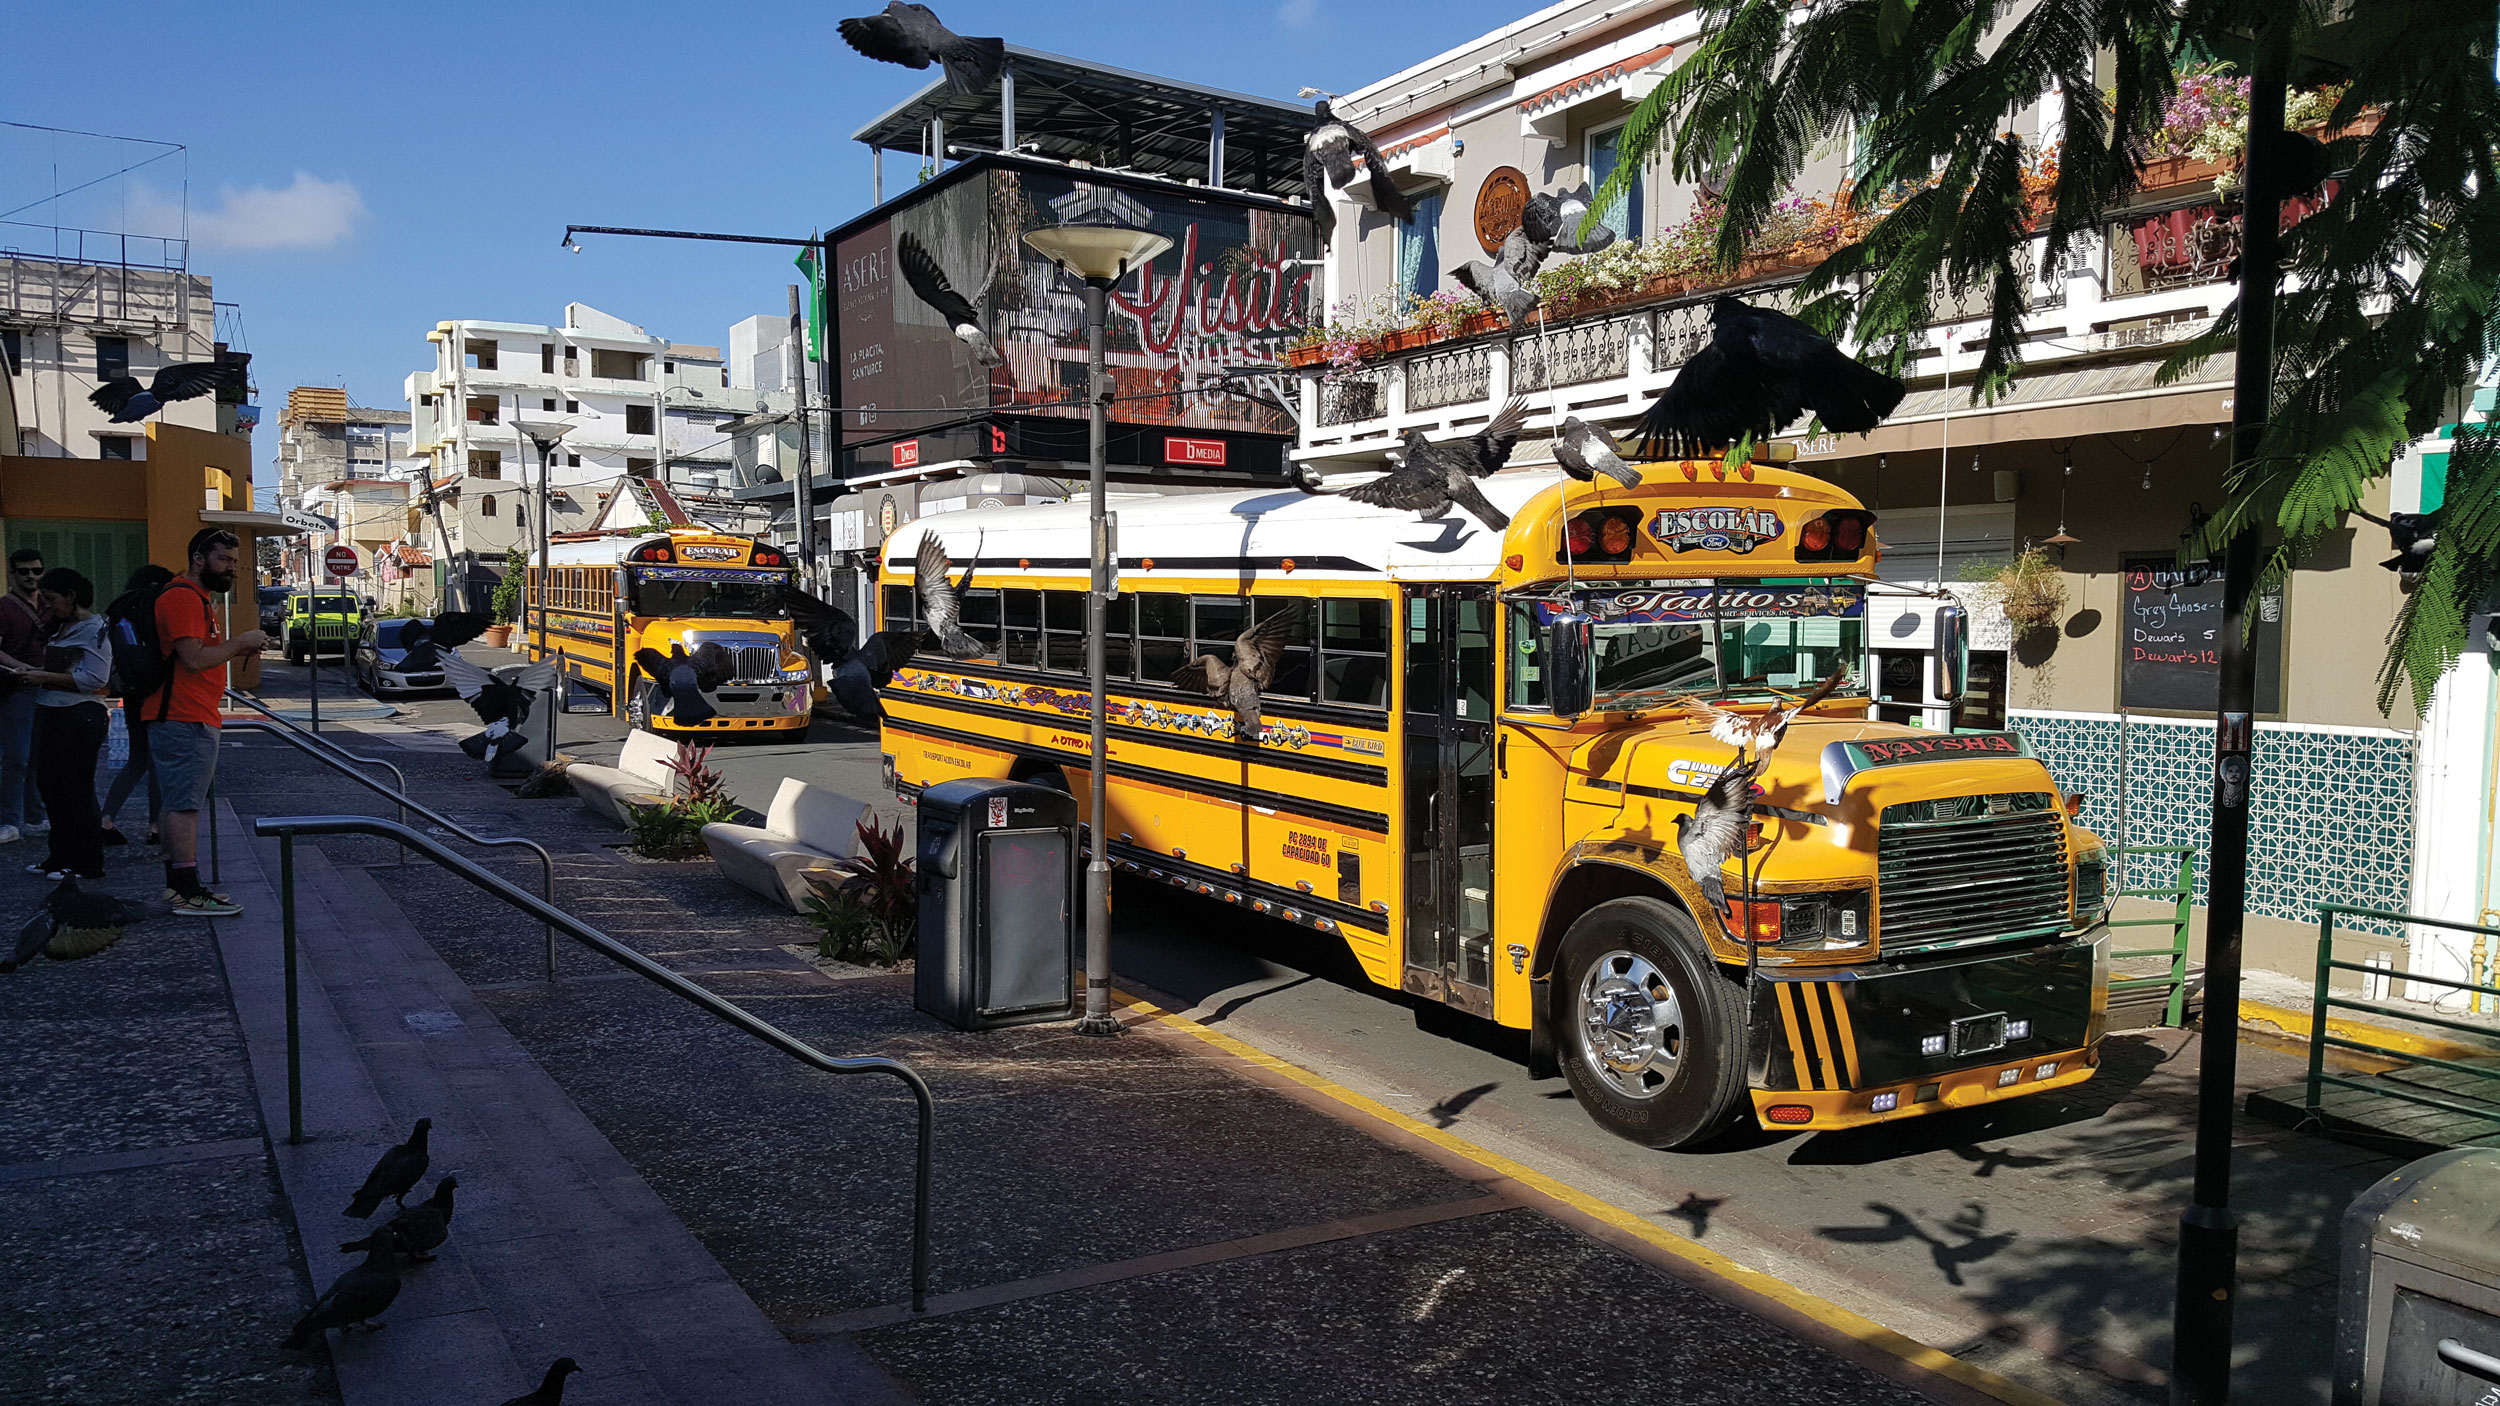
{"x":46,"y":869}
{"x":203,"y":903}
{"x":9,"y":835}
{"x":114,"y":837}
{"x":40,"y":827}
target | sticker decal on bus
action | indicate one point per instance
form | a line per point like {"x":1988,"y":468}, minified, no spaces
{"x":1716,"y":527}
{"x":1306,"y":848}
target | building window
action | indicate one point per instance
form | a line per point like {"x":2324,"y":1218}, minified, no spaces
{"x":638,"y":466}
{"x":1419,"y":246}
{"x":609,"y":365}
{"x":724,"y":378}
{"x":485,"y":410}
{"x":485,"y":463}
{"x":426,"y":401}
{"x":486,"y":506}
{"x":547,"y":403}
{"x":480,"y":354}
{"x":547,"y":359}
{"x":572,"y":461}
{"x":114,"y":446}
{"x":637,"y":419}
{"x":572,"y":361}
{"x":572,"y":407}
{"x":1605,"y":154}
{"x":112,"y":357}
{"x":668,"y":366}
{"x":12,"y":350}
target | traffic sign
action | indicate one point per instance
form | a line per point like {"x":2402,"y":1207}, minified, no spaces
{"x":340,"y":561}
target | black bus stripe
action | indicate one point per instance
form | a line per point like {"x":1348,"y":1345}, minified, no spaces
{"x":1344,"y":914}
{"x":1367,"y":774}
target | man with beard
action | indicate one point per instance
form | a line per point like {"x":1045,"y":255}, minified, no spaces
{"x":182,"y":731}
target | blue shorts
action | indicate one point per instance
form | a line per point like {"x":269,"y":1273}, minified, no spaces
{"x":185,"y":758}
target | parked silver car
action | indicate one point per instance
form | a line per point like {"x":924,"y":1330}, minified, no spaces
{"x":378,"y":656}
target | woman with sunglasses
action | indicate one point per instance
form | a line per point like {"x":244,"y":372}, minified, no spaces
{"x":70,"y":723}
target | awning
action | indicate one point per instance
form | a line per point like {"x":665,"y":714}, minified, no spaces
{"x":2044,"y":405}
{"x":258,"y":524}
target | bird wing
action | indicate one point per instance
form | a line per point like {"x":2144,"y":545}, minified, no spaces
{"x":1541,"y":218}
{"x":1386,"y":197}
{"x":1475,"y":276}
{"x":1520,"y":256}
{"x":972,"y":65}
{"x":1500,"y":435}
{"x":830,"y":632}
{"x":454,"y":628}
{"x":1711,"y":713}
{"x":714,"y":665}
{"x":534,"y":678}
{"x":1420,"y":488}
{"x":1463,"y":492}
{"x":653,"y":663}
{"x":1717,"y":826}
{"x":469,"y":681}
{"x":1845,"y":394}
{"x":1257,"y":650}
{"x":114,"y":394}
{"x":1823,"y":690}
{"x":1708,"y":404}
{"x":1567,"y":454}
{"x":883,"y":38}
{"x":30,"y":939}
{"x":921,"y":271}
{"x":1315,"y":180}
{"x":940,"y":608}
{"x":1204,"y":674}
{"x":186,"y":379}
{"x":885,"y":652}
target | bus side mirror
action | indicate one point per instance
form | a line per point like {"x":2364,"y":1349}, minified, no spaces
{"x":1570,"y":680}
{"x":1952,"y":652}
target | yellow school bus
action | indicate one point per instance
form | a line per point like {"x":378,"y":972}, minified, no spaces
{"x":607,"y":597}
{"x":1919,"y":925}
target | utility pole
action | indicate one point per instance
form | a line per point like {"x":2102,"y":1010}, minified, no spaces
{"x":2200,"y":1370}
{"x":803,"y":494}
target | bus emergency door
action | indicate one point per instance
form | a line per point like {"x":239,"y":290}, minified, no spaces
{"x":1449,"y":794}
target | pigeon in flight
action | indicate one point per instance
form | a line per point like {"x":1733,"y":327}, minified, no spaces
{"x":1256,"y":652}
{"x":2412,"y":536}
{"x":550,"y":1390}
{"x":910,"y":35}
{"x":1761,"y":370}
{"x":1437,"y":476}
{"x":502,"y":699}
{"x":1552,"y":222}
{"x":1509,"y":279}
{"x":423,"y":1227}
{"x":358,"y":1296}
{"x":73,"y":923}
{"x":1585,"y":451}
{"x":828,"y":630}
{"x":128,"y":402}
{"x":921,"y":271}
{"x":1762,"y":733}
{"x":685,"y":678}
{"x":854,"y":682}
{"x":939,"y":608}
{"x":423,"y":641}
{"x":1717,"y":828}
{"x":1328,"y":152}
{"x":394,"y":1175}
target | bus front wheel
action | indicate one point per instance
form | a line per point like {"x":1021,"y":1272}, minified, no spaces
{"x":1652,"y":1040}
{"x":638,"y":704}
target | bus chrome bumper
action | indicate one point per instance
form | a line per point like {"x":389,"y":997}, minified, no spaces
{"x":1847,"y":1047}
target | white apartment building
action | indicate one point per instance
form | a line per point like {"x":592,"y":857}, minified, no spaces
{"x":67,"y":325}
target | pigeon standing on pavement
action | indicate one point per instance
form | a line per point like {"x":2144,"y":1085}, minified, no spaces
{"x":1717,"y":829}
{"x":550,"y":1390}
{"x":128,"y":402}
{"x":1436,"y":477}
{"x":357,"y":1296}
{"x":911,"y":35}
{"x":423,"y":1227}
{"x":1584,"y":452}
{"x":921,"y":271}
{"x":502,"y":699}
{"x":422,"y":641}
{"x":73,"y":923}
{"x":685,"y":678}
{"x":1328,"y":152}
{"x":1760,"y":371}
{"x":1761,"y":733}
{"x":394,"y":1175}
{"x":1256,"y":652}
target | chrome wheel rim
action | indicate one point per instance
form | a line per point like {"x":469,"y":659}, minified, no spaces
{"x":1631,"y":1025}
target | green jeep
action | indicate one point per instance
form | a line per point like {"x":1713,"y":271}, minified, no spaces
{"x":328,"y":621}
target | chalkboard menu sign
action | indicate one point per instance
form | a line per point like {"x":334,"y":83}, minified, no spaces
{"x":2171,"y":641}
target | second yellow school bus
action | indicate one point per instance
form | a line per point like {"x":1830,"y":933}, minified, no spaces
{"x":1920,"y":925}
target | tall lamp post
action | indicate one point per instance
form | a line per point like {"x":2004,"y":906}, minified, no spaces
{"x":1100,"y":250}
{"x":546,"y":434}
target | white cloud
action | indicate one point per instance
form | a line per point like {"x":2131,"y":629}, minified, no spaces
{"x":310,"y":214}
{"x":1298,"y":14}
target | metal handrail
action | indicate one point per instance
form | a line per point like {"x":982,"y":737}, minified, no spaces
{"x":317,"y":739}
{"x":319,"y":749}
{"x":287,"y":827}
{"x":2174,"y":1011}
{"x":2313,"y":1110}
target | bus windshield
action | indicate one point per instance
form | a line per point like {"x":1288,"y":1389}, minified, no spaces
{"x":1725,"y":638}
{"x":706,"y":592}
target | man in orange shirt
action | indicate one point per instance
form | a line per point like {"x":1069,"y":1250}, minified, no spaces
{"x":183,"y":720}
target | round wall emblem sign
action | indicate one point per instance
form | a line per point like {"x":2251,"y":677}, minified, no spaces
{"x":885,"y":516}
{"x":1499,"y":202}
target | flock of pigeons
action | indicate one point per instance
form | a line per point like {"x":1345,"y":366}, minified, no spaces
{"x":358,"y":1296}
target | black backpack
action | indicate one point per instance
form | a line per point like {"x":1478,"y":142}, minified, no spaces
{"x":140,"y":665}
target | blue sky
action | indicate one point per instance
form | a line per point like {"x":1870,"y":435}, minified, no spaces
{"x":356,"y":173}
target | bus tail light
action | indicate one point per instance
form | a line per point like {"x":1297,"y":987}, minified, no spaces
{"x":655,"y":551}
{"x":1602,"y":536}
{"x":1816,"y":535}
{"x":1755,"y":920}
{"x":767,"y":556}
{"x":1788,"y":1114}
{"x":1581,"y":536}
{"x":1839,"y":535}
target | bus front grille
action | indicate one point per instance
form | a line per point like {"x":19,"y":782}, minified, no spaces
{"x":756,"y":663}
{"x":1984,"y":867}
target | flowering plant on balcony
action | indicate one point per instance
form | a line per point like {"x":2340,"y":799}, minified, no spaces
{"x":2208,"y":118}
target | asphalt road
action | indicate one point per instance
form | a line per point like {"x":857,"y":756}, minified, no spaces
{"x":2034,"y":1239}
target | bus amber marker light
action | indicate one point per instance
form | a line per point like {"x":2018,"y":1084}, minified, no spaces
{"x":2075,"y":801}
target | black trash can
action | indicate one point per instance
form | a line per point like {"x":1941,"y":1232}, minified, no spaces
{"x":997,"y":872}
{"x":2417,"y":1315}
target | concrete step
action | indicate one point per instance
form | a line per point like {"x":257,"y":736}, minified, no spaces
{"x":557,"y":1248}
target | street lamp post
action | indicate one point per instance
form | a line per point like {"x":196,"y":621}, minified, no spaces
{"x":1101,"y":251}
{"x":546,"y":434}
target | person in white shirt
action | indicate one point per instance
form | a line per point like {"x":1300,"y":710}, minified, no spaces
{"x":70,"y":723}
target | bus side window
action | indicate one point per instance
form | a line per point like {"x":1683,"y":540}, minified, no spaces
{"x":1021,"y":640}
{"x":898,"y":608}
{"x":1118,"y":628}
{"x":980,"y":615}
{"x":1162,"y":635}
{"x":1293,"y":666}
{"x":1527,"y":662}
{"x":1354,"y":652}
{"x":1063,"y":630}
{"x":1214,"y":623}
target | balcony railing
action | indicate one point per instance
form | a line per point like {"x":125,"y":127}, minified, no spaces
{"x":1459,"y":376}
{"x":1574,"y":354}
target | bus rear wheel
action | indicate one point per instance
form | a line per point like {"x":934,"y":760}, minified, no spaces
{"x":1652,"y":1040}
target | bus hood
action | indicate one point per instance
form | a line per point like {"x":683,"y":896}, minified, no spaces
{"x":1842,"y":767}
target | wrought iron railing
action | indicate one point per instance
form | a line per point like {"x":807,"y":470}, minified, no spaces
{"x":1458,"y":376}
{"x":1347,"y":399}
{"x":1573,"y":353}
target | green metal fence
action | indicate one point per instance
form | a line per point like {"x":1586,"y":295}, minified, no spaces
{"x":2183,"y":892}
{"x":2322,"y":1000}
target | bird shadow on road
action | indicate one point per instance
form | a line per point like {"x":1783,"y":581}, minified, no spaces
{"x":1966,"y":1238}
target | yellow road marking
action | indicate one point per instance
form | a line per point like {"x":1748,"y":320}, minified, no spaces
{"x":1820,"y":1310}
{"x":2296,"y":1023}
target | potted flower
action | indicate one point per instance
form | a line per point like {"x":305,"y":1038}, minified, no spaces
{"x":505,"y":605}
{"x":2031,"y":591}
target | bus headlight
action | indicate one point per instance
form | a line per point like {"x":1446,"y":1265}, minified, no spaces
{"x":1824,"y":921}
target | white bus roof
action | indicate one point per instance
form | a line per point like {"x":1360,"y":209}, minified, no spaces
{"x":1202,"y":534}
